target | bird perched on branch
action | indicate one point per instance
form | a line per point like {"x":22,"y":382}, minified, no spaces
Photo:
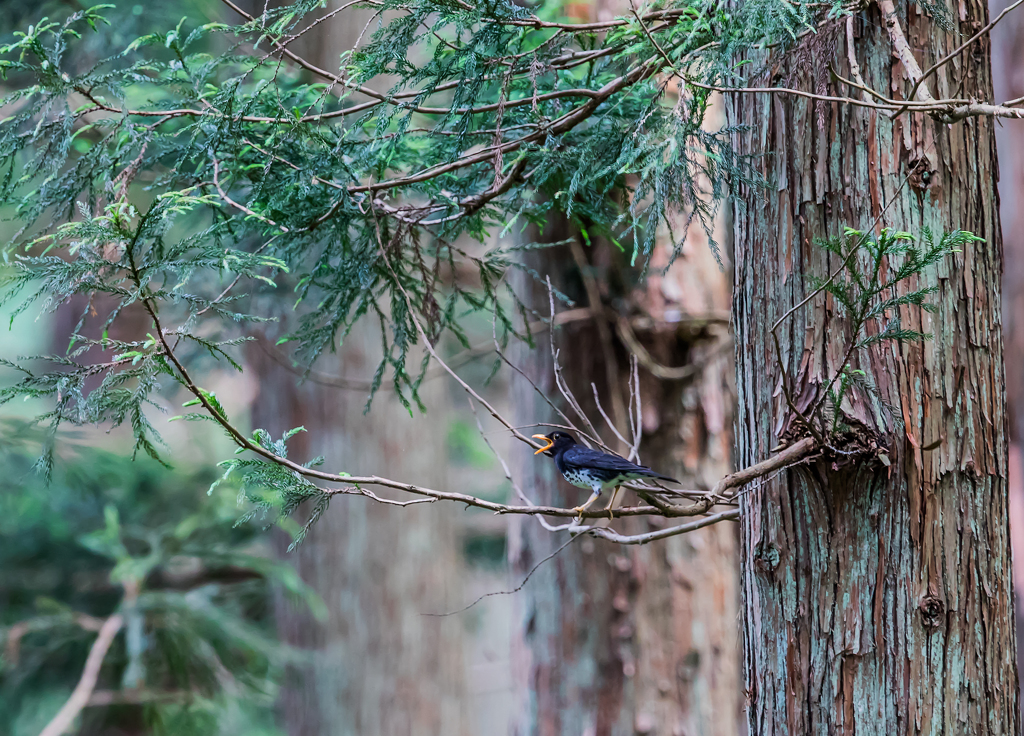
{"x":586,"y":468}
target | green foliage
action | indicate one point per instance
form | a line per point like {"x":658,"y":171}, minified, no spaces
{"x":110,"y":535}
{"x":870,"y":289}
{"x":203,"y":176}
{"x":274,"y":490}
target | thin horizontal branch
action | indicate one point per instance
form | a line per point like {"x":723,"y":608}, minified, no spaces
{"x":321,"y":117}
{"x":789,"y":456}
{"x":978,"y":109}
{"x":916,"y":106}
{"x":352,"y":484}
{"x":672,"y":531}
{"x":597,"y":26}
{"x":498,"y":508}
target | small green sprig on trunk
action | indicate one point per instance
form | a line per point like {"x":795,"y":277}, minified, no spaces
{"x":870,"y":289}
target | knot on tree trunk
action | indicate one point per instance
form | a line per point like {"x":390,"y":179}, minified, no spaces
{"x":933,"y":611}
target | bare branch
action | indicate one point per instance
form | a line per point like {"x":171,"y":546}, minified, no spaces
{"x":607,"y":419}
{"x":563,"y":387}
{"x":515,"y":590}
{"x":851,"y":55}
{"x":352,"y":485}
{"x":636,"y":405}
{"x":952,"y":54}
{"x":83,"y":690}
{"x":433,"y":353}
{"x":672,"y":531}
{"x":978,"y":109}
{"x":789,"y":456}
{"x":611,"y":365}
{"x":501,"y":354}
{"x":903,"y":52}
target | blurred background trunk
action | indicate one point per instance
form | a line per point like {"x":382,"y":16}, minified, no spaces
{"x":612,"y":639}
{"x":377,"y":665}
{"x":615,"y":639}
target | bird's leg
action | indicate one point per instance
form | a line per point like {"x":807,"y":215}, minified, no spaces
{"x":610,"y":508}
{"x":580,"y":509}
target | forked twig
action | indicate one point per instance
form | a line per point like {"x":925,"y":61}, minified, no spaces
{"x":514,"y":590}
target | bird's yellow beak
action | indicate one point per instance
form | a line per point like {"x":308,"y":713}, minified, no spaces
{"x":545,"y":439}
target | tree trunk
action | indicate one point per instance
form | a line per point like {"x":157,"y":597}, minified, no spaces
{"x":376,"y":665}
{"x":877,"y":600}
{"x":1008,"y":82}
{"x":619,"y":640}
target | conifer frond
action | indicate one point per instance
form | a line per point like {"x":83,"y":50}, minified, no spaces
{"x":868,"y":288}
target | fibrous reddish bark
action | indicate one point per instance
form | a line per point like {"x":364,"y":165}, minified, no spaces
{"x":876,"y":600}
{"x":1008,"y":82}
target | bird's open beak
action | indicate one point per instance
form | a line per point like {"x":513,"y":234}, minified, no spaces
{"x":550,"y":442}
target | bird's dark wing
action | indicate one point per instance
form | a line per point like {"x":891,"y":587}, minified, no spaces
{"x":583,"y":457}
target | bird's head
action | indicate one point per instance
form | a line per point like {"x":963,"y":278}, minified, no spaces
{"x":555,"y":441}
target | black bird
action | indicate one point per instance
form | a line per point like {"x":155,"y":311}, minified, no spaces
{"x":586,"y":468}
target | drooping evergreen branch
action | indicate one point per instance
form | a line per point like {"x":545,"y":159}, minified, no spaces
{"x":196,"y":178}
{"x":235,"y":133}
{"x":263,"y":474}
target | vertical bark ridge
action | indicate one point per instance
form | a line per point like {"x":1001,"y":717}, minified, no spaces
{"x":1008,"y":81}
